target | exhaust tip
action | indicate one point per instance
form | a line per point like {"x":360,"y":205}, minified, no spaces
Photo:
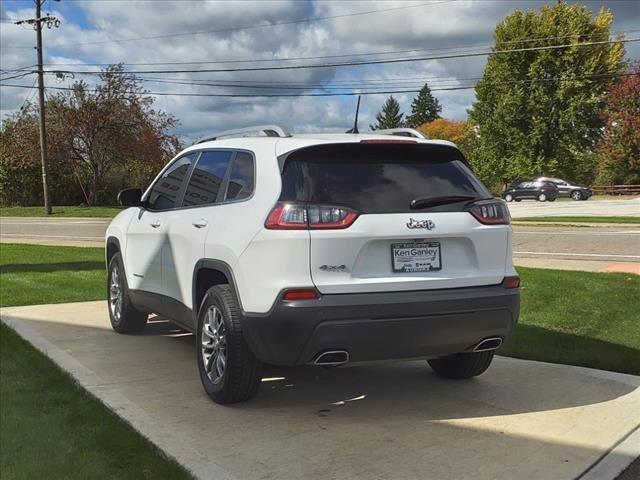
{"x":487,"y":344}
{"x":332,"y":357}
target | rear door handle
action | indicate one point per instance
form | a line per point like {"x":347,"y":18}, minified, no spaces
{"x":200,"y":223}
{"x":155,"y":223}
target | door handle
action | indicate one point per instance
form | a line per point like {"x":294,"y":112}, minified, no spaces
{"x":155,"y":223}
{"x":200,"y":223}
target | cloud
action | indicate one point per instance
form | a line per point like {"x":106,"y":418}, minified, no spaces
{"x":434,"y":28}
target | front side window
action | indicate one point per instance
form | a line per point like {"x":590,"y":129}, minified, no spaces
{"x":241,"y":177}
{"x":164,"y":193}
{"x":206,"y":179}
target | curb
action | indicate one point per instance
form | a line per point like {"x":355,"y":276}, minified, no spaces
{"x":198,"y":466}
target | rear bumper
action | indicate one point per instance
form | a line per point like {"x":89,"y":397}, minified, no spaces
{"x":379,"y":326}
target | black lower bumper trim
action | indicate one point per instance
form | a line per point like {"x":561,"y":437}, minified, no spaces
{"x":378,"y":326}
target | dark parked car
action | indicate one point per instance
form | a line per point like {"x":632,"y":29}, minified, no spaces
{"x":568,"y":189}
{"x":534,"y":190}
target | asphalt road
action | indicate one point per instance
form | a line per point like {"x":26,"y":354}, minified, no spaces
{"x":610,"y":244}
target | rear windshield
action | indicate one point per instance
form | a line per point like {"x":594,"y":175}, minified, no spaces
{"x":378,"y":178}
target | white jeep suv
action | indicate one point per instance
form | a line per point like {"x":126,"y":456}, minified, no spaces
{"x":316,"y":249}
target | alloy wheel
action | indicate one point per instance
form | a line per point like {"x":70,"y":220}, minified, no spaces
{"x":214,"y":345}
{"x":115,"y":294}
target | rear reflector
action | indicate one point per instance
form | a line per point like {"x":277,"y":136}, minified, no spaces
{"x":301,"y":294}
{"x":491,"y":212}
{"x":292,"y":216}
{"x":511,"y":282}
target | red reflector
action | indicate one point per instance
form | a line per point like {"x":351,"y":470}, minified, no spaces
{"x":387,"y":141}
{"x":301,"y":294}
{"x":511,"y":282}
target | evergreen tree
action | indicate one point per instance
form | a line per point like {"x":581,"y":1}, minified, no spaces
{"x":389,"y":116}
{"x":425,"y":108}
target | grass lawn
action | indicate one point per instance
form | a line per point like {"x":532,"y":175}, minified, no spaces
{"x":579,"y":318}
{"x":580,"y":219}
{"x":107,"y":212}
{"x":32,"y":274}
{"x":51,"y":427}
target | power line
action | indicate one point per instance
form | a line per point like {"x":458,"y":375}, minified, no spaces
{"x":354,"y":54}
{"x":605,"y":76}
{"x":248,"y":27}
{"x":363,"y":62}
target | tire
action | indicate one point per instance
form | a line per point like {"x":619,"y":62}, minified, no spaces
{"x":241,"y":374}
{"x":508,"y":197}
{"x":518,"y":199}
{"x":124,"y":316}
{"x":576,"y":195}
{"x":542,"y":197}
{"x":552,"y":199}
{"x":462,"y":365}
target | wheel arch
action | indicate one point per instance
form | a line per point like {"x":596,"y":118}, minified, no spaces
{"x":112,"y":247}
{"x":208,"y":273}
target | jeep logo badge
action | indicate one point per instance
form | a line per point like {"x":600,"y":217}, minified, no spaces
{"x":428,"y":224}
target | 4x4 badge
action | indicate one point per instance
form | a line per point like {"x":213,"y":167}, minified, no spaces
{"x":428,"y":224}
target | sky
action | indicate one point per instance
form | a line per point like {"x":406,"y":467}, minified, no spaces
{"x":250,"y":34}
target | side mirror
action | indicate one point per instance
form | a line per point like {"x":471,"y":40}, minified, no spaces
{"x":131,"y":197}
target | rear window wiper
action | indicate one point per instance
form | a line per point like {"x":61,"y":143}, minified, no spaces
{"x":425,"y":202}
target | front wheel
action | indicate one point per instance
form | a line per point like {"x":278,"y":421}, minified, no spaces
{"x":462,"y":365}
{"x":542,"y":197}
{"x":576,"y":195}
{"x":508,"y":197}
{"x":124,"y":316}
{"x":228,"y":370}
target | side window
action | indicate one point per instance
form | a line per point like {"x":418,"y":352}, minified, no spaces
{"x":241,"y":177}
{"x":206,"y":178}
{"x":164,"y":192}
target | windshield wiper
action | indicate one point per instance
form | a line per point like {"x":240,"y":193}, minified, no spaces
{"x":425,"y":202}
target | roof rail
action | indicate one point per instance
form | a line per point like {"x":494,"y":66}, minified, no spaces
{"x":257,"y":131}
{"x":401,"y":132}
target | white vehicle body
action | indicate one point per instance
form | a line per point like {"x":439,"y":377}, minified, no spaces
{"x":323,"y":253}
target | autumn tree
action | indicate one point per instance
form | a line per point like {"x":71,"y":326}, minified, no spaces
{"x":619,"y":149}
{"x":424,"y":108}
{"x":459,"y":132}
{"x":107,"y":133}
{"x":390,"y":115}
{"x":537,"y":110}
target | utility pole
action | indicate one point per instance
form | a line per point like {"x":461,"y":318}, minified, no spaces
{"x":37,"y":24}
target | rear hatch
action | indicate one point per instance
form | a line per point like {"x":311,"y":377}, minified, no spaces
{"x":404,"y":220}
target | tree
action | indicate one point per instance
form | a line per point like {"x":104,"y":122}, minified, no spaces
{"x":537,"y":111}
{"x":619,"y":149}
{"x":100,"y":137}
{"x":389,"y":116}
{"x":459,"y":132}
{"x":424,"y":108}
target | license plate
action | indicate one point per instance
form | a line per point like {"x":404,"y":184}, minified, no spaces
{"x":416,"y":257}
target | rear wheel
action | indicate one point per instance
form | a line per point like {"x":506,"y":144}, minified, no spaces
{"x":228,"y":370}
{"x":508,"y":197}
{"x":124,"y":316}
{"x":462,"y":365}
{"x":576,"y":195}
{"x":542,"y":197}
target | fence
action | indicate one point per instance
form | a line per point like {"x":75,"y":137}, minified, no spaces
{"x":616,"y":189}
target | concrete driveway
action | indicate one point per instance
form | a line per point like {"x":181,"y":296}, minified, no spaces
{"x":524,"y":420}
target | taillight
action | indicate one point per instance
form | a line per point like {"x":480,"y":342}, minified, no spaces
{"x":301,"y":294}
{"x":511,"y":282}
{"x":491,"y":212}
{"x":293,"y":216}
